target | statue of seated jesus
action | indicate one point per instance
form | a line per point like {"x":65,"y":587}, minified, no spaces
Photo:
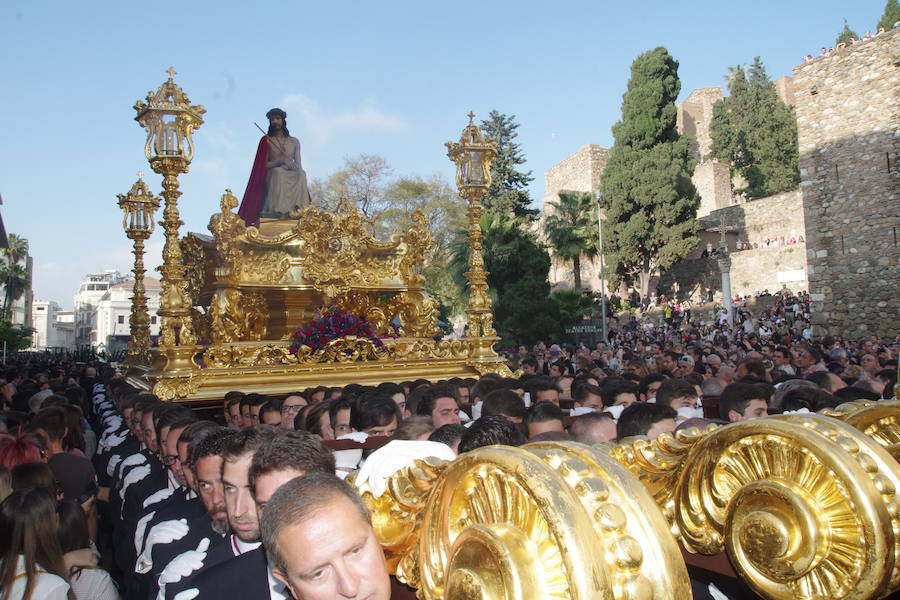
{"x":277,"y":184}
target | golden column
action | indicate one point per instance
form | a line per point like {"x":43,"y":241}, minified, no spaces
{"x":139,"y":206}
{"x":170,"y":121}
{"x":473,"y":155}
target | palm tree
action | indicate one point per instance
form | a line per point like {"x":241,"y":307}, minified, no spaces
{"x":572,"y":229}
{"x":13,"y":275}
{"x":15,"y":282}
{"x":17,"y":249}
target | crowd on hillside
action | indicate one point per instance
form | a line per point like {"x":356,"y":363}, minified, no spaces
{"x":829,"y":50}
{"x":110,"y":493}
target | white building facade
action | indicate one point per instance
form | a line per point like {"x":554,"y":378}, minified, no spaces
{"x":111,"y":329}
{"x":53,"y":328}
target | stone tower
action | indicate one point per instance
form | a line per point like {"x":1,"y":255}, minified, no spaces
{"x":848,"y":118}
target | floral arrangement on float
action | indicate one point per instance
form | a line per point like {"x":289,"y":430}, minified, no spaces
{"x":339,"y":335}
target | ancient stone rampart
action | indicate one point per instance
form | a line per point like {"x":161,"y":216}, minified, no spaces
{"x":848,"y":117}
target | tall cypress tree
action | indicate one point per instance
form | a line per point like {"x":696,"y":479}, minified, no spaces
{"x":756,"y":133}
{"x":650,"y":201}
{"x":508,"y":194}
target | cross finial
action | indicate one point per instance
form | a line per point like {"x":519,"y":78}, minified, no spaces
{"x":471,"y":116}
{"x":172,"y":72}
{"x":140,"y":174}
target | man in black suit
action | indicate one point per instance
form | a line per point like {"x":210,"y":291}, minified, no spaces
{"x":266,"y":459}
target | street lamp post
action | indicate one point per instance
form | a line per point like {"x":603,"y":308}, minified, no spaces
{"x":602,"y":267}
{"x":138,"y":206}
{"x":473,"y":155}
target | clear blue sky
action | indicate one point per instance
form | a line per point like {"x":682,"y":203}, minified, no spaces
{"x":389,"y":78}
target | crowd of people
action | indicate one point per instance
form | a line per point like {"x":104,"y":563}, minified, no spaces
{"x":830,"y":50}
{"x":108,"y":492}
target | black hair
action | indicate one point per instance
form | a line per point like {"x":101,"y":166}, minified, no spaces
{"x":544,"y":411}
{"x":503,"y":402}
{"x":737,"y":396}
{"x":488,"y":431}
{"x":638,"y":418}
{"x":613,"y":388}
{"x":447,"y":434}
{"x":374,"y":410}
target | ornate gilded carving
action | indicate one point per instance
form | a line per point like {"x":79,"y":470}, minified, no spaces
{"x":343,"y":350}
{"x":256,"y":266}
{"x":545,"y":521}
{"x":176,"y":387}
{"x":804,"y":506}
{"x":417,"y":313}
{"x":333,"y":244}
{"x":397,"y":514}
{"x":418,"y":242}
{"x":422,"y":349}
{"x":364,"y":304}
{"x":237,"y":316}
{"x":878,"y":420}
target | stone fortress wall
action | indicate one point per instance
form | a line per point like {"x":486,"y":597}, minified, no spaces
{"x":848,"y":116}
{"x":580,"y":172}
{"x":848,"y":208}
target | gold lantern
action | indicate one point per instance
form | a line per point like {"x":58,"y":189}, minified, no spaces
{"x":138,"y":205}
{"x":473,"y":155}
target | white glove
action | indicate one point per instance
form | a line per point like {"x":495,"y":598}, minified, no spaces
{"x":111,"y":441}
{"x":134,"y":475}
{"x":357,"y":436}
{"x":799,"y":411}
{"x":158,"y":496}
{"x":184,"y":564}
{"x":395,"y":455}
{"x":111,"y":465}
{"x":161,"y":533}
{"x":185,"y":595}
{"x":140,"y":530}
{"x":581,"y":410}
{"x":134,"y":460}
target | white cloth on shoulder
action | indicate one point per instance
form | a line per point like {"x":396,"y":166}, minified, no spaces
{"x":395,"y":455}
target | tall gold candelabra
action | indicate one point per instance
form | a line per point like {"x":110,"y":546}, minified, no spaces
{"x":170,"y":121}
{"x":473,"y":155}
{"x":139,"y":206}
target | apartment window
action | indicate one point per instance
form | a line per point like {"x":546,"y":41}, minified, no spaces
{"x":121,"y":319}
{"x":153,"y":320}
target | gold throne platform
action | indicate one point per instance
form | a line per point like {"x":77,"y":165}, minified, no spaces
{"x":251,"y":288}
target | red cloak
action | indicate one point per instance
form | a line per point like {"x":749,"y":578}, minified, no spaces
{"x":255,"y":194}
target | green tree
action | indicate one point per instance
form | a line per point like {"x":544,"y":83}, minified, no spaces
{"x":574,"y":306}
{"x":756,"y":133}
{"x":890,"y":16}
{"x":15,"y":337}
{"x":518,"y":266}
{"x":508,"y":194}
{"x":361,"y":180}
{"x":650,"y":202}
{"x":13,"y":275}
{"x":846,"y":34}
{"x":571,"y":228}
{"x":446,"y":213}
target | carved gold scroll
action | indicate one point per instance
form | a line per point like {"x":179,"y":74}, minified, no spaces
{"x":550,"y":520}
{"x":805,"y":506}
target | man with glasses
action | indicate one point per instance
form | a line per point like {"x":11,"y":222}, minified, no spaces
{"x":289,"y":409}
